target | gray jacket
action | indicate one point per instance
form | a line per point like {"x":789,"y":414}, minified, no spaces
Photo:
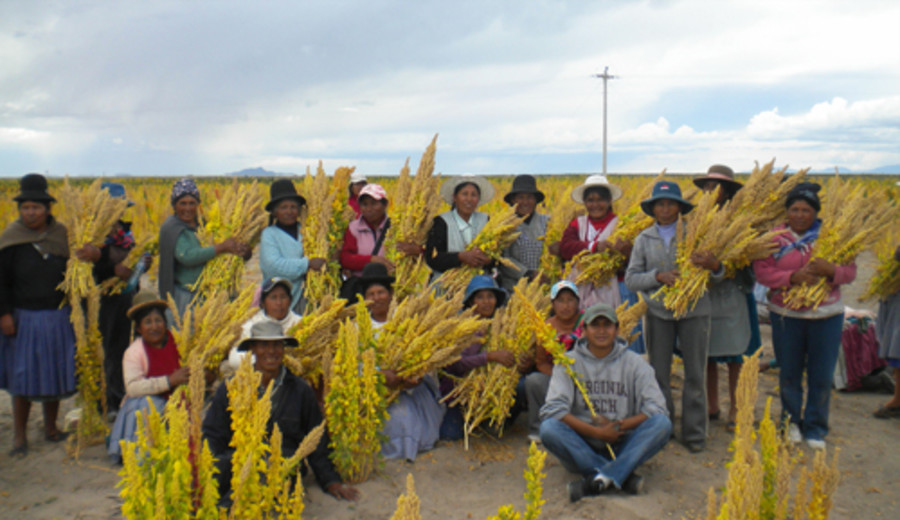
{"x":526,"y":251}
{"x":651,"y":256}
{"x":619,"y":385}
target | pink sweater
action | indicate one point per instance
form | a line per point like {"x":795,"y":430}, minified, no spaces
{"x":776,"y":274}
{"x":134,"y":371}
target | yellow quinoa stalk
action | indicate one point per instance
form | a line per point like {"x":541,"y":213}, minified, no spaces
{"x":158,"y":479}
{"x":426,"y":332}
{"x":256,"y":457}
{"x":563,"y":211}
{"x":886,"y":280}
{"x":497,"y":235}
{"x":249,"y":414}
{"x":212,"y":326}
{"x":89,"y":215}
{"x":236,"y":211}
{"x":355,"y":406}
{"x":737,"y":232}
{"x":415,"y":204}
{"x":758,"y":484}
{"x":534,"y":478}
{"x":316,"y":334}
{"x":487,"y":393}
{"x":852,"y":220}
{"x":629,"y":317}
{"x":408,"y":504}
{"x":327,"y":215}
{"x":600,"y":268}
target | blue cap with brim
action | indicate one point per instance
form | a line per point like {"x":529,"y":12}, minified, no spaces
{"x":116,"y":191}
{"x":563,"y":285}
{"x":484,"y":282}
{"x":666,"y":190}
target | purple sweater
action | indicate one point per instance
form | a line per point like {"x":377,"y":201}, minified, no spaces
{"x":472,"y":357}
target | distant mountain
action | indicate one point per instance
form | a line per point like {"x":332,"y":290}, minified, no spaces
{"x":883,"y":170}
{"x":894,"y":170}
{"x":258,"y":172}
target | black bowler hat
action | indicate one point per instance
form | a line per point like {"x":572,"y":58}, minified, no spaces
{"x":373,"y":273}
{"x":524,"y":184}
{"x":33,"y":187}
{"x":283,"y":189}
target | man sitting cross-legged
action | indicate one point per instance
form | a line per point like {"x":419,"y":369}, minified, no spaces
{"x":631,"y":419}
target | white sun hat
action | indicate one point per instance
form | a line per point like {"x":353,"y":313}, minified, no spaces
{"x":484,"y":187}
{"x":596,"y":180}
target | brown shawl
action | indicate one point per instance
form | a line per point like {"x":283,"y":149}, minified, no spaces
{"x":52,"y":240}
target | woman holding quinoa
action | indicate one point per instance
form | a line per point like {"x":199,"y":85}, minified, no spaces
{"x":805,"y":339}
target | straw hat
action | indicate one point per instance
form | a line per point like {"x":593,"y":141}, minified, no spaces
{"x":143,"y":300}
{"x":596,"y":180}
{"x":484,"y":187}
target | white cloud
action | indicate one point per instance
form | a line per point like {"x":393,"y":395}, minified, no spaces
{"x":837,"y":115}
{"x":231,"y":84}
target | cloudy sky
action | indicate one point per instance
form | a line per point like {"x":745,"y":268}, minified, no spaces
{"x":194,"y":87}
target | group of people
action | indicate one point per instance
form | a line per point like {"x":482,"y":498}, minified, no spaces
{"x":631,"y":411}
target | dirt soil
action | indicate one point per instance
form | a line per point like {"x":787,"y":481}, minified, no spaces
{"x":455,"y":484}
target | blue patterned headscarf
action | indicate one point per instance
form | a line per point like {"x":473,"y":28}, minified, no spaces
{"x":185,"y":187}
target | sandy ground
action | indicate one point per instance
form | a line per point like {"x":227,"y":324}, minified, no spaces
{"x":455,"y":484}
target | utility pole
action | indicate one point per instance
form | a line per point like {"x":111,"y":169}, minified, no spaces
{"x":605,"y":76}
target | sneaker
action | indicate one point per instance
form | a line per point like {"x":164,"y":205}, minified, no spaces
{"x":601,"y":482}
{"x":634,"y":484}
{"x":585,"y":487}
{"x":535,"y":438}
{"x":794,"y":434}
{"x":816,"y":444}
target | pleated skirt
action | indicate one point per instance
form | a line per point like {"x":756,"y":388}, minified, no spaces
{"x":38,"y":363}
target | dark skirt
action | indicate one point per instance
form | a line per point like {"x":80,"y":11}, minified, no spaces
{"x":38,"y":363}
{"x":755,"y":338}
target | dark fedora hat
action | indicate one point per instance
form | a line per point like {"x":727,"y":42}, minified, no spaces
{"x":33,"y":187}
{"x":666,"y":190}
{"x":283,"y":189}
{"x":721,"y":174}
{"x":373,"y":273}
{"x":524,"y":184}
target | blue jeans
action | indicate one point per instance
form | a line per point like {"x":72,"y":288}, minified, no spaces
{"x":627,"y":295}
{"x":577,"y":456}
{"x":812,"y":346}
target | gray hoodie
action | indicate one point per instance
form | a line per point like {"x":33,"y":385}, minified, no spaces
{"x":619,"y":385}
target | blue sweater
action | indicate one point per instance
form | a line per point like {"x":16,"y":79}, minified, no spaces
{"x":282,"y":256}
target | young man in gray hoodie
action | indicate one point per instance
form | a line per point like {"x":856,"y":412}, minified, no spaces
{"x":632,"y":420}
